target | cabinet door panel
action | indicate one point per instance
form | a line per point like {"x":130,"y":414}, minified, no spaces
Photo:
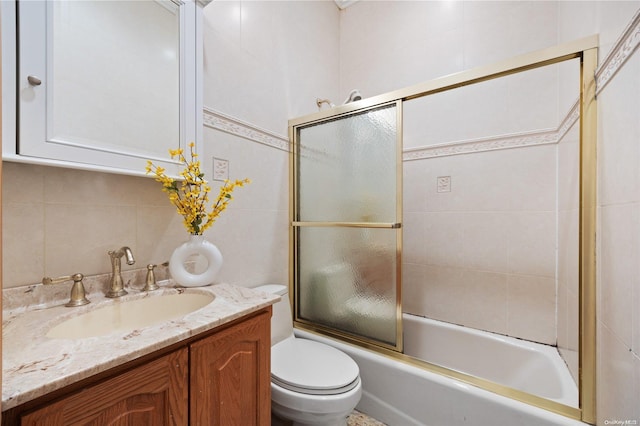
{"x":230,"y":376}
{"x":153,"y":394}
{"x":103,"y":85}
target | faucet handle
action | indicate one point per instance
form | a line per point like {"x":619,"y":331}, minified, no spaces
{"x":150,"y":282}
{"x":50,"y":281}
{"x":78,"y":295}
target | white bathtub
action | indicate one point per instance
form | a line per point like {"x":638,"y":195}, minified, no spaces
{"x":530,"y":367}
{"x":400,"y":394}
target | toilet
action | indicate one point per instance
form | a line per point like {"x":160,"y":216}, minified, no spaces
{"x":311,"y":383}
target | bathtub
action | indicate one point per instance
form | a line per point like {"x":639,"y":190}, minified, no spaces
{"x":530,"y":367}
{"x":400,"y":394}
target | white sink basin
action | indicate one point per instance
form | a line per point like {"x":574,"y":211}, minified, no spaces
{"x":129,"y":315}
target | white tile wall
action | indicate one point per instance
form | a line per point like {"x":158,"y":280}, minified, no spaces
{"x":568,"y":246}
{"x":531,"y":305}
{"x":61,"y":221}
{"x":253,"y":233}
{"x":500,"y":217}
{"x":617,"y":378}
{"x":619,"y":269}
{"x":498,"y":222}
{"x":435,"y":39}
{"x":584,"y":18}
{"x":266,"y":66}
{"x":618,"y":368}
{"x":620,"y":183}
{"x":266,"y":62}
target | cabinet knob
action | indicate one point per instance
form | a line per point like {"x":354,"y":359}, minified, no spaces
{"x":34,"y":81}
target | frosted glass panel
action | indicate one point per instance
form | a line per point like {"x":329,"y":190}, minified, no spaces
{"x":347,"y":169}
{"x":347,"y":280}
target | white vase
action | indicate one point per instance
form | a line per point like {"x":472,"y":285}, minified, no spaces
{"x":197,"y":245}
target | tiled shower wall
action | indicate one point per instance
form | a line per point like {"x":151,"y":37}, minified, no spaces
{"x":265,"y":62}
{"x":483,"y":254}
{"x":387,"y":45}
{"x":452,"y":36}
{"x":568,"y":246}
{"x":618,"y":213}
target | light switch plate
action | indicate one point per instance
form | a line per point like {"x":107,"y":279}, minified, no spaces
{"x":444,"y":184}
{"x":220,"y":169}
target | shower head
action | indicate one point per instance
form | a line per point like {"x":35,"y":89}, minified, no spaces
{"x":354,"y":95}
{"x":319,"y":102}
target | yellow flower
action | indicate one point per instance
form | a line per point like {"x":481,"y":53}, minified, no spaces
{"x":191,"y":195}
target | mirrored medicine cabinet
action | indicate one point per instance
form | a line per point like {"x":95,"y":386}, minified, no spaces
{"x":101,"y":85}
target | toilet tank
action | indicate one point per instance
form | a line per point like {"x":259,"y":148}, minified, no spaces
{"x":282,"y":320}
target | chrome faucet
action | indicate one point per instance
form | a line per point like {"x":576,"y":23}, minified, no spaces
{"x":116,"y":288}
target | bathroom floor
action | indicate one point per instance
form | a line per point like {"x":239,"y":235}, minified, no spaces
{"x":358,"y":419}
{"x":355,"y":419}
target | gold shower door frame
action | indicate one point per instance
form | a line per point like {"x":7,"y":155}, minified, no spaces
{"x":585,"y":50}
{"x":296,"y":224}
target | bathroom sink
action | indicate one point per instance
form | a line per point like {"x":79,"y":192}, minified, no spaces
{"x":129,"y":315}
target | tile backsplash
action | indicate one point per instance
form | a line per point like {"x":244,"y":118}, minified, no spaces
{"x":61,"y":221}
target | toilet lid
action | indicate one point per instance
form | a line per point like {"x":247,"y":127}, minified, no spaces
{"x":310,"y":367}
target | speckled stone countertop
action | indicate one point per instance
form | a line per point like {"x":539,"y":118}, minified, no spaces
{"x":34,"y":365}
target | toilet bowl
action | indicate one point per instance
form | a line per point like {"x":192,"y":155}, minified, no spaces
{"x":311,"y":383}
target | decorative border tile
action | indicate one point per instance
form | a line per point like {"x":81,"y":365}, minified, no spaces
{"x":224,"y":123}
{"x":622,"y":49}
{"x":514,"y":140}
{"x":569,"y":120}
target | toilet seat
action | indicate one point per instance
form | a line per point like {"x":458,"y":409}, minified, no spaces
{"x":309,"y":367}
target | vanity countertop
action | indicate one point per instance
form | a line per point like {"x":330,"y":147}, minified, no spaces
{"x":34,"y":365}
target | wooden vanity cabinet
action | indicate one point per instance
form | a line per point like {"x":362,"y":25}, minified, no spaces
{"x":221,"y":377}
{"x":230,"y":376}
{"x":152,"y":394}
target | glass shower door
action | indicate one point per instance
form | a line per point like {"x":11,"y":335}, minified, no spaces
{"x":347,"y":225}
